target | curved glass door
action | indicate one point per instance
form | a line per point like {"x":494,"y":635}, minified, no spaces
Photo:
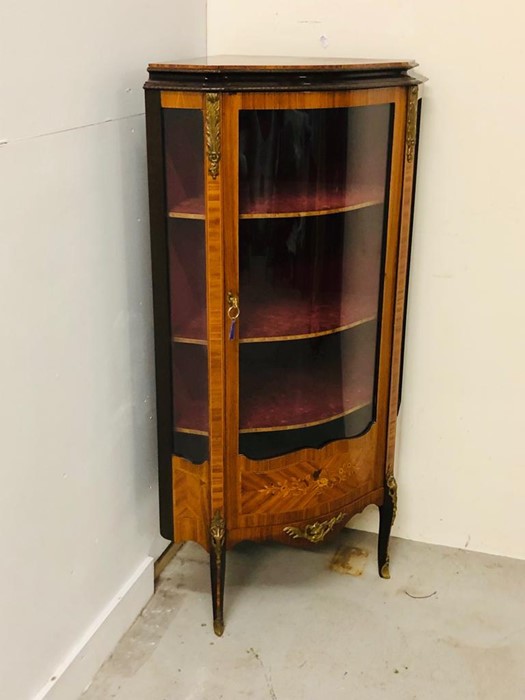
{"x":184,"y":169}
{"x":313,"y":209}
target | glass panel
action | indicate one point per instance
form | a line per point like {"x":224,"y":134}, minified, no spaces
{"x":313,"y":190}
{"x":183,"y":129}
{"x":184,"y":148}
{"x":187,"y":260}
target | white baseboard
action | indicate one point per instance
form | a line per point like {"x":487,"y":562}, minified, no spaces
{"x":84,"y":659}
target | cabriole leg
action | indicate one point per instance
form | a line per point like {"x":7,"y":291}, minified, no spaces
{"x":387,"y":515}
{"x":217,"y":570}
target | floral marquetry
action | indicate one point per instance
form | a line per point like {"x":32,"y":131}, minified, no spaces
{"x":304,"y":484}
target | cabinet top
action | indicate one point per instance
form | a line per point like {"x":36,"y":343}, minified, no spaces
{"x":247,"y":73}
{"x":272,"y":64}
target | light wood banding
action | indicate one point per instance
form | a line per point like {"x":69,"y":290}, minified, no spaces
{"x":215,"y":295}
{"x":181,"y":100}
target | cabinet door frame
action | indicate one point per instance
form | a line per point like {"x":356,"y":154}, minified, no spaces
{"x":190,"y":493}
{"x":374,"y":441}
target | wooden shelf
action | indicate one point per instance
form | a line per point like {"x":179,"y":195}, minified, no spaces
{"x":190,"y":341}
{"x":190,"y":208}
{"x":304,"y":336}
{"x":360,"y":398}
{"x":191,"y":329}
{"x":303,"y":387}
{"x":298,"y":201}
{"x":290,"y":203}
{"x":185,"y":215}
{"x":290,"y":317}
{"x":312,"y":393}
{"x":311,"y":424}
{"x":268,"y":404}
{"x":191,"y":431}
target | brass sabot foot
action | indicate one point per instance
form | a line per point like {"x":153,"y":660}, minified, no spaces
{"x":385,"y":569}
{"x":218,"y":627}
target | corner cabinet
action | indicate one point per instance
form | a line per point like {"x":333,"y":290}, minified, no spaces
{"x":281,"y":208}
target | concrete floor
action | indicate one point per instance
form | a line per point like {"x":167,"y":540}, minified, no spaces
{"x":449,"y":625}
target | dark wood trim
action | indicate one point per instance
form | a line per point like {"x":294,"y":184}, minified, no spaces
{"x":278,"y":82}
{"x":161,"y":309}
{"x":278,"y":74}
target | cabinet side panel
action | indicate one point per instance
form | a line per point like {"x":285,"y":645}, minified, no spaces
{"x":390,"y":279}
{"x":402,"y":271}
{"x":411,"y":232}
{"x":161,"y":310}
{"x":191,"y":497}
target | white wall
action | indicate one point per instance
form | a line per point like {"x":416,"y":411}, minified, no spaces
{"x":461,"y":462}
{"x":78,"y":503}
{"x":78,"y":500}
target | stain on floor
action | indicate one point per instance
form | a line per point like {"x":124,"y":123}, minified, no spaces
{"x":349,"y":560}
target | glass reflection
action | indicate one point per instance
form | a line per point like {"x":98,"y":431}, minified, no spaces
{"x":313,"y":185}
{"x":184,"y":169}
